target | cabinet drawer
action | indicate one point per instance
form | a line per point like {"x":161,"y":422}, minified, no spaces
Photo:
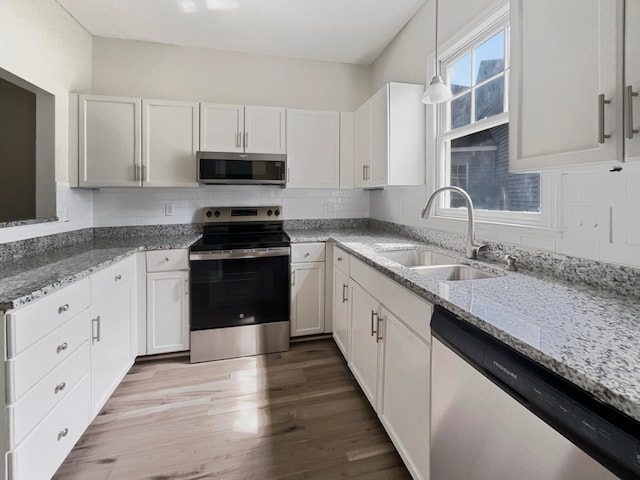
{"x":120,"y":273}
{"x":167,"y":260}
{"x":41,"y":453}
{"x":341,"y":260}
{"x":26,"y":369}
{"x":46,"y":394}
{"x":28,"y":324}
{"x":307,"y":252}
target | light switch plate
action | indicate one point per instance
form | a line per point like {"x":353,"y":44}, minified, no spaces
{"x":590,"y":223}
{"x":168,"y":209}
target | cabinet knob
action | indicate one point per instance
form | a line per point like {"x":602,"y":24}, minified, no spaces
{"x":306,"y":254}
{"x":60,"y":387}
{"x":63,"y":308}
{"x":63,"y":433}
{"x":62,"y":347}
{"x":166,"y":259}
{"x":339,"y":259}
{"x":118,"y":277}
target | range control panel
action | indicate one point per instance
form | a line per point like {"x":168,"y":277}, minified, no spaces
{"x":242,"y":214}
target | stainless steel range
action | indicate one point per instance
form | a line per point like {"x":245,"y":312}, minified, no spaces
{"x":239,"y":280}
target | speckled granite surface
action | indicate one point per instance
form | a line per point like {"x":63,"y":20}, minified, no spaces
{"x":25,"y":279}
{"x":30,"y":221}
{"x":46,"y":243}
{"x":583,"y":334}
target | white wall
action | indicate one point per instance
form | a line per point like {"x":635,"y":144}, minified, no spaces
{"x":43,"y":45}
{"x":594,"y":188}
{"x":115,"y":207}
{"x":154,"y":70}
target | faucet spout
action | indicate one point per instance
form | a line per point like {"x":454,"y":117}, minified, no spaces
{"x":472,"y":246}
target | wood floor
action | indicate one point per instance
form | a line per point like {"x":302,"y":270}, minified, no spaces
{"x":295,"y":415}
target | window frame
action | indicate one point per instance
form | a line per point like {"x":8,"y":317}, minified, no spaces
{"x":494,"y":20}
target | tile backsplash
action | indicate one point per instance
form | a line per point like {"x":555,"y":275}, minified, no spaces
{"x":124,"y":207}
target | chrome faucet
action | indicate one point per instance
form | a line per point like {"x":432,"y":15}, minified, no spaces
{"x":472,"y":246}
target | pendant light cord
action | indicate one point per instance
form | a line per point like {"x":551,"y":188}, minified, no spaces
{"x":436,"y":48}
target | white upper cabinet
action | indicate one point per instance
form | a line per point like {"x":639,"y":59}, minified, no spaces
{"x":169,"y":143}
{"x":313,"y":149}
{"x":129,"y":142}
{"x":221,"y":128}
{"x":264,"y":129}
{"x":240,"y":128}
{"x":109,"y":140}
{"x":632,"y":80}
{"x":390,"y":138}
{"x":566,"y":104}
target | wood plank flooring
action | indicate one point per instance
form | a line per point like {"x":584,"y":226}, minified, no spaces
{"x":295,"y":415}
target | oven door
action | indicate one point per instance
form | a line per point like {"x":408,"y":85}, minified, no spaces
{"x":234,"y":288}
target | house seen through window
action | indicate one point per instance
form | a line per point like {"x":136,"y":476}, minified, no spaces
{"x":473,"y":127}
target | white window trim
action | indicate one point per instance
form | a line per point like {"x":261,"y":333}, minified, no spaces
{"x":549,"y":215}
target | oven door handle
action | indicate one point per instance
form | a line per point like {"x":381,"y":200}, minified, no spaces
{"x":240,"y":253}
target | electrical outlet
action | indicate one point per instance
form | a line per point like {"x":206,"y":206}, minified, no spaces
{"x":590,"y":223}
{"x":168,"y":209}
{"x":331,"y":207}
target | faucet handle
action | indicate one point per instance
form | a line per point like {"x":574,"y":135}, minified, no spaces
{"x":510,"y":264}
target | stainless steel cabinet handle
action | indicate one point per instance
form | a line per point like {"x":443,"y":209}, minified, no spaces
{"x":118,"y":277}
{"x":144,"y":173}
{"x":628,"y":97}
{"x":63,"y":308}
{"x":97,"y":322}
{"x":62,"y":347}
{"x":136,"y":173}
{"x":293,"y":277}
{"x":239,"y":140}
{"x":60,"y":387}
{"x":246,"y":139}
{"x":364,"y":172}
{"x":601,"y":123}
{"x":288,"y":175}
{"x":62,"y":433}
{"x":378,"y":336}
{"x":373,"y":315}
{"x":186,"y":287}
{"x":345,"y":290}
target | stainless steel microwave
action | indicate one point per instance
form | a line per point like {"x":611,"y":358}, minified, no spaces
{"x":241,"y":168}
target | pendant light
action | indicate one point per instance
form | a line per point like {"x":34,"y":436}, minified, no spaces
{"x":437,"y":91}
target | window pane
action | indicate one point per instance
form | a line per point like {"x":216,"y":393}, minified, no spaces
{"x":460,"y":74}
{"x":480,"y":164}
{"x":490,"y":98}
{"x":490,"y":57}
{"x":461,"y":111}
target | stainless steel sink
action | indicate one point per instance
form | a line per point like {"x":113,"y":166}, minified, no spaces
{"x":419,"y":257}
{"x":453,"y":272}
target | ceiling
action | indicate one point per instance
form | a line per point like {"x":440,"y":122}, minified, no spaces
{"x":345,"y":31}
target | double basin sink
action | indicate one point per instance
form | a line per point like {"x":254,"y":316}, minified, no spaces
{"x":435,"y":265}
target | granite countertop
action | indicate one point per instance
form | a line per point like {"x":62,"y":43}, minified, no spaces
{"x":26,"y":279}
{"x":584,"y":335}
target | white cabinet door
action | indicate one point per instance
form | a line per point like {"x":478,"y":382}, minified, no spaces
{"x":347,"y":149}
{"x":364,"y":348}
{"x":111,"y":355}
{"x":632,"y":79}
{"x":169,"y":143}
{"x":307,"y":298}
{"x":109,"y":141}
{"x":221,"y":127}
{"x":167,"y":312}
{"x":362,"y":146}
{"x":264,"y":129}
{"x":379,"y":128}
{"x":564,"y":56}
{"x":404,"y":406}
{"x":341,"y":324}
{"x":313,"y":149}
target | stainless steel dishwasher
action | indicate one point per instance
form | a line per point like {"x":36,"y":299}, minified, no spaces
{"x":497,"y":415}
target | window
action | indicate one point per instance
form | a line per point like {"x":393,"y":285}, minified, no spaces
{"x":472,"y":129}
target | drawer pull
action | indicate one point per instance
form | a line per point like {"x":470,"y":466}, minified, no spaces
{"x":60,"y":387}
{"x":62,"y":433}
{"x":95,"y":337}
{"x":118,"y":277}
{"x":166,"y":259}
{"x":306,"y":254}
{"x":63,"y":308}
{"x":62,"y":347}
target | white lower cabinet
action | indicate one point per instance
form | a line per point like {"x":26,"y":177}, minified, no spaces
{"x":167,"y":312}
{"x":388,"y":353}
{"x":404,"y":406}
{"x":167,"y":301}
{"x":112,"y":313}
{"x":307,"y":289}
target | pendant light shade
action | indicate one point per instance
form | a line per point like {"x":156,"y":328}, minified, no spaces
{"x":437,"y":91}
